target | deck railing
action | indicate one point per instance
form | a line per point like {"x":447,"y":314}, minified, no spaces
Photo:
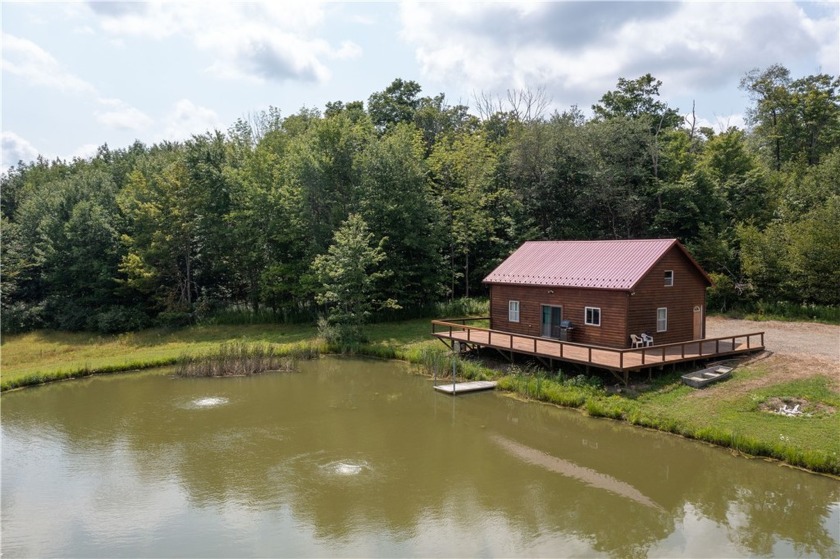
{"x":650,"y":355}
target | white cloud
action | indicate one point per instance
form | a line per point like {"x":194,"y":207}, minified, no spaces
{"x":15,"y":149}
{"x":348,"y":49}
{"x":24,"y":58}
{"x":721,"y":123}
{"x":258,"y":40}
{"x":578,"y":50}
{"x":122,"y":115}
{"x":85,"y":151}
{"x":187,"y":118}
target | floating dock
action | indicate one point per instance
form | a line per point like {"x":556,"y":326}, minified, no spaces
{"x":465,"y":387}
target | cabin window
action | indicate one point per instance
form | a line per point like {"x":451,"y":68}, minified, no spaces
{"x":662,"y":319}
{"x":593,"y":316}
{"x":669,"y":278}
{"x":513,"y":311}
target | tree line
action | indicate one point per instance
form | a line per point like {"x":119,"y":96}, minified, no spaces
{"x":389,"y":206}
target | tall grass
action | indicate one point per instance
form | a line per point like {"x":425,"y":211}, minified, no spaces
{"x":241,"y":359}
{"x":536,"y":384}
{"x":781,"y":310}
{"x":463,"y":307}
{"x":439,"y":362}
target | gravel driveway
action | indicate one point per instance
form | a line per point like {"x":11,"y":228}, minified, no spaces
{"x":785,"y":338}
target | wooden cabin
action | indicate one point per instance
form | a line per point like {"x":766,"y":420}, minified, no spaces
{"x":600,"y":292}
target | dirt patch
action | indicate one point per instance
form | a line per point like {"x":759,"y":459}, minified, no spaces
{"x":789,"y":338}
{"x":801,"y":407}
{"x":780,"y":369}
{"x":795,"y":350}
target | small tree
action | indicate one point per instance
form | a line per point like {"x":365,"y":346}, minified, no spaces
{"x":348,"y":275}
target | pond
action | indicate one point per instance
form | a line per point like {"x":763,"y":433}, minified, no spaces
{"x":363,"y":458}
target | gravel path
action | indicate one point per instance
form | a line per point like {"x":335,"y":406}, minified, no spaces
{"x":799,"y":350}
{"x":785,"y":338}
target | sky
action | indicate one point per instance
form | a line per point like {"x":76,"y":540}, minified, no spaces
{"x":77,"y":75}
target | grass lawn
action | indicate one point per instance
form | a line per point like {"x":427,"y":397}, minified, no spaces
{"x":739,"y":417}
{"x":47,"y":354}
{"x":727,"y":413}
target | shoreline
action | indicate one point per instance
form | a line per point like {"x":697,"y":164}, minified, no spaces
{"x":724,"y":415}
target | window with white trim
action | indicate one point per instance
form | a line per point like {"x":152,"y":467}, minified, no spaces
{"x":513,"y":311}
{"x":592,"y":316}
{"x":662,"y":319}
{"x":669,"y":278}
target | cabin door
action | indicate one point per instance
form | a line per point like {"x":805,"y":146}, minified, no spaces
{"x":698,"y":323}
{"x":551,"y":318}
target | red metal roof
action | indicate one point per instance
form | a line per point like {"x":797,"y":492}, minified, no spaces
{"x":592,"y":264}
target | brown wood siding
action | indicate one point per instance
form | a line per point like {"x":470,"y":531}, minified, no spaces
{"x":613,"y":305}
{"x":622,"y":313}
{"x":688,"y":291}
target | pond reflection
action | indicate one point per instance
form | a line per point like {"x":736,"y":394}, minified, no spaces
{"x":353,"y":457}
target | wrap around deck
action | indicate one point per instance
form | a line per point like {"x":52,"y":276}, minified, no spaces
{"x":612,"y":359}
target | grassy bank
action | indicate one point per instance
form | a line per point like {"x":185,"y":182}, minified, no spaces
{"x":43,"y":356}
{"x":730,"y":416}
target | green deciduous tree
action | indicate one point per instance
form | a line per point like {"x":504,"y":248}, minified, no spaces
{"x":348,"y":276}
{"x":395,"y":199}
{"x":793,"y":119}
{"x":814,"y":254}
{"x":550,"y":165}
{"x":320,"y":164}
{"x":162,"y":236}
{"x":463,"y":170}
{"x":621,"y":195}
{"x":395,"y":104}
{"x":638,"y":99}
{"x":67,"y":248}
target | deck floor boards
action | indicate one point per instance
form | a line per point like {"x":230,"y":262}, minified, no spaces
{"x":607,"y":358}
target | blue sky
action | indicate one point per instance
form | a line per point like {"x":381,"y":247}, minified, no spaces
{"x":76,"y":75}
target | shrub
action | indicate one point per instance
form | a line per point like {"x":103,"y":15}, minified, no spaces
{"x":341,"y":335}
{"x":22,"y":317}
{"x":114,"y":320}
{"x":463,"y":307}
{"x":174,"y":319}
{"x":583,"y":380}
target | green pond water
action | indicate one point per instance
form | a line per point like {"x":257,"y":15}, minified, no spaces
{"x":362,"y":458}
